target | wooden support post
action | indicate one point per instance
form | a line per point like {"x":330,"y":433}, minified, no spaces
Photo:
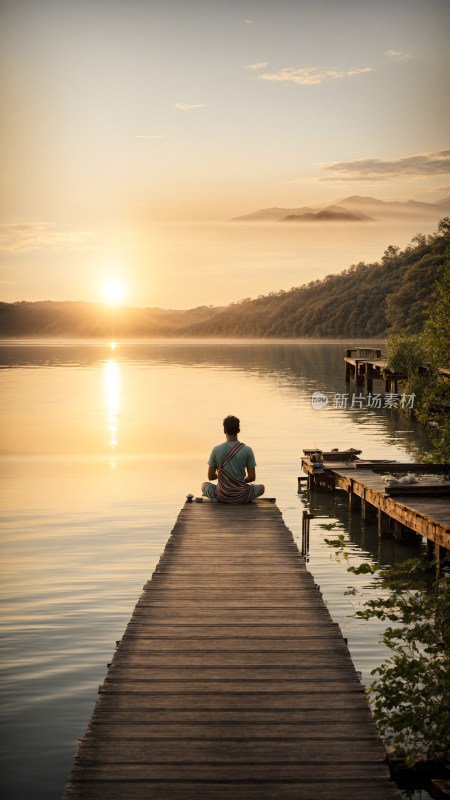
{"x":430,"y":549}
{"x":347,"y":372}
{"x":305,"y":534}
{"x":300,"y":481}
{"x":399,"y":531}
{"x":383,"y":524}
{"x":363,"y":508}
{"x":439,"y":554}
{"x":352,"y":498}
{"x":369,"y":382}
{"x":367,"y":509}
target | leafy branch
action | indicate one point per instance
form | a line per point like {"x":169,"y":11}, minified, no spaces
{"x":409,"y":696}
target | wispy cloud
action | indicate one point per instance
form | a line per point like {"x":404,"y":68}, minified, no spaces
{"x":439,"y":190}
{"x":371,"y":179}
{"x":416,"y":166}
{"x":309,"y":76}
{"x":188,"y":106}
{"x":395,"y":55}
{"x":255,"y":67}
{"x":17,"y":238}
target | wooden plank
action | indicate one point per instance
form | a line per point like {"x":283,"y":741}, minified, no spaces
{"x":204,"y":772}
{"x":231,"y":680}
{"x":416,"y":490}
{"x":359,"y":730}
{"x":161,"y":614}
{"x":247,"y":790}
{"x":179,"y":751}
{"x":232,"y":701}
{"x":257,"y":675}
{"x":402,"y":466}
{"x":110,"y":714}
{"x":267,"y":630}
{"x":314,"y":685}
{"x":221,"y":603}
{"x":243,"y":644}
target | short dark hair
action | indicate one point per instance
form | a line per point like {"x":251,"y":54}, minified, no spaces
{"x":231,"y":425}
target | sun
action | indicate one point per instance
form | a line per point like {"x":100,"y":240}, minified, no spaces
{"x":114,"y":292}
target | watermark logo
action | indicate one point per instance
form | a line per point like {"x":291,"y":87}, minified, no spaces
{"x":346,"y":400}
{"x":319,"y":400}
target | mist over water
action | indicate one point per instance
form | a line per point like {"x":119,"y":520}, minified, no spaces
{"x":100,"y":446}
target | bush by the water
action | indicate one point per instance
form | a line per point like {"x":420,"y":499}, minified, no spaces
{"x":409,"y":697}
{"x":410,"y":692}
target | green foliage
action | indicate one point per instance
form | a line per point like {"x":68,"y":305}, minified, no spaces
{"x":405,"y":354}
{"x":421,"y":357}
{"x":436,"y":333}
{"x":409,"y":697}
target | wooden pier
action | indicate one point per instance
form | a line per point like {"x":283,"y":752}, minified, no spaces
{"x":420,"y":509}
{"x":363,"y":365}
{"x":231,"y":681}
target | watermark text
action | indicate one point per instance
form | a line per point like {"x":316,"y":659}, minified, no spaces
{"x":358,"y":401}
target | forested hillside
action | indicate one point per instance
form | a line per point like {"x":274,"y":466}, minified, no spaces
{"x":365,"y":300}
{"x":90,"y":320}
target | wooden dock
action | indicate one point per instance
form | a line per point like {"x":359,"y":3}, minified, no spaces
{"x":363,"y":365}
{"x":421,"y":509}
{"x":231,"y":681}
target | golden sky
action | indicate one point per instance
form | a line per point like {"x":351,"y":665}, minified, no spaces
{"x":120,"y":117}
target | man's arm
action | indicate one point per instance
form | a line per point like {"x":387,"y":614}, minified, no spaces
{"x":251,"y":475}
{"x":212,"y":473}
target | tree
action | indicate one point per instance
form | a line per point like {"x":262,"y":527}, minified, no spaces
{"x":436,"y":333}
{"x":421,"y":358}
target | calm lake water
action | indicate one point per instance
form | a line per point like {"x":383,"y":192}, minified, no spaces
{"x":100,"y":445}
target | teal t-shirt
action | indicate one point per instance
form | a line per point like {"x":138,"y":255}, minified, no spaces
{"x":236,"y":467}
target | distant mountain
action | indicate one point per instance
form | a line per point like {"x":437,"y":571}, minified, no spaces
{"x":444,"y":203}
{"x":330,"y":214}
{"x":386,"y":209}
{"x":271,"y":214}
{"x":369,"y":206}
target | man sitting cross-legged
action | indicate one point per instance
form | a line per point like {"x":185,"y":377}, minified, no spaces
{"x":228,"y":463}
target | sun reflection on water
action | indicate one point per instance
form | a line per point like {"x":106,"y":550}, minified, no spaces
{"x":112,"y":384}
